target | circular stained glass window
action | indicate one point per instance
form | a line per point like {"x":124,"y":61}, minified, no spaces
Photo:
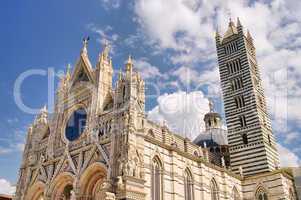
{"x":76,"y":124}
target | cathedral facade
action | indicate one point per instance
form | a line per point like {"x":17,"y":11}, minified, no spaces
{"x":99,"y":145}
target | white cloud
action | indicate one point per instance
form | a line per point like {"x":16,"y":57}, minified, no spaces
{"x":12,"y":147}
{"x":111,"y":4}
{"x":291,"y":137}
{"x":6,"y":187}
{"x":188,"y":32}
{"x":106,"y":35}
{"x":183,"y":112}
{"x":288,"y":158}
{"x":147,"y":70}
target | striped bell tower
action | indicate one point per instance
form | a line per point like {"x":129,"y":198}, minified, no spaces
{"x":252,"y":144}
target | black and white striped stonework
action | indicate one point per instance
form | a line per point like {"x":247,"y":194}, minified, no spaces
{"x":252,"y":144}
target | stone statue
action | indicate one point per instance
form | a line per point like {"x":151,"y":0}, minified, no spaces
{"x":72,"y":197}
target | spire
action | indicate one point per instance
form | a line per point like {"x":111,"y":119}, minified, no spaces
{"x":120,"y":74}
{"x":106,"y":50}
{"x":238,"y":22}
{"x":130,"y":60}
{"x":232,"y":29}
{"x":129,"y":64}
{"x":44,"y":109}
{"x":85,"y":45}
{"x":249,"y":36}
{"x":68,"y":73}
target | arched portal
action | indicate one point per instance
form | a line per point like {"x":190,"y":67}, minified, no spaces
{"x":62,"y":186}
{"x":36,"y":192}
{"x":91,"y":181}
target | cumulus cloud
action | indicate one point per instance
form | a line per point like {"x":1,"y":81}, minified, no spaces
{"x":6,"y":187}
{"x":11,"y":148}
{"x":188,"y":30}
{"x":147,"y":70}
{"x":182,"y":111}
{"x":106,"y":35}
{"x":288,"y":158}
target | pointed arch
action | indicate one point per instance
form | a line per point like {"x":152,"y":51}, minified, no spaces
{"x":157,"y":179}
{"x":188,"y":185}
{"x":92,"y":179}
{"x":261,"y":193}
{"x":36,"y":191}
{"x":61,"y":186}
{"x":214,"y":191}
{"x":235,"y":194}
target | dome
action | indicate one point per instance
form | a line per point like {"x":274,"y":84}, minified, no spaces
{"x":212,"y":137}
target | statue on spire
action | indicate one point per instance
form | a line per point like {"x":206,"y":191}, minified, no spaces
{"x":85,"y":44}
{"x":106,"y":49}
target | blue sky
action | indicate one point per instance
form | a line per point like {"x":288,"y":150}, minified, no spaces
{"x":172,"y":43}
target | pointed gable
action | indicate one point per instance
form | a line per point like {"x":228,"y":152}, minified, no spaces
{"x":232,"y":30}
{"x":83,"y":71}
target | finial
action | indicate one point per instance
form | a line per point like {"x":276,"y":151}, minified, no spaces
{"x":68,"y":73}
{"x":231,"y":23}
{"x":211,"y":105}
{"x":44,"y":109}
{"x":129,"y":59}
{"x":106,"y":49}
{"x":129,"y":64}
{"x":85,"y":44}
{"x":120,"y":74}
{"x":249,"y":35}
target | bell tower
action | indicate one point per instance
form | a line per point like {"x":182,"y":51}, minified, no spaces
{"x":252,"y":143}
{"x":104,"y":75}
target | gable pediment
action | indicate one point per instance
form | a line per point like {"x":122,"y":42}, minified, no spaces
{"x":83,"y":71}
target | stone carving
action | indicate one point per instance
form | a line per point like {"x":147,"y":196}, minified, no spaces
{"x":72,"y":195}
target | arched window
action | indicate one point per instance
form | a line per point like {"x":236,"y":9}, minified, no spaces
{"x":261,"y":194}
{"x":188,"y":185}
{"x":214,"y":190}
{"x":245,"y":138}
{"x":235,"y":194}
{"x":157,"y":179}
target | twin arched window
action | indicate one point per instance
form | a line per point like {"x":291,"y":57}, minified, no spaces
{"x":157,"y":179}
{"x":188,"y":185}
{"x":214,"y":190}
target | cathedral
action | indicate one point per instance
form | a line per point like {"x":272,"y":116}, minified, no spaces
{"x":98,"y":143}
